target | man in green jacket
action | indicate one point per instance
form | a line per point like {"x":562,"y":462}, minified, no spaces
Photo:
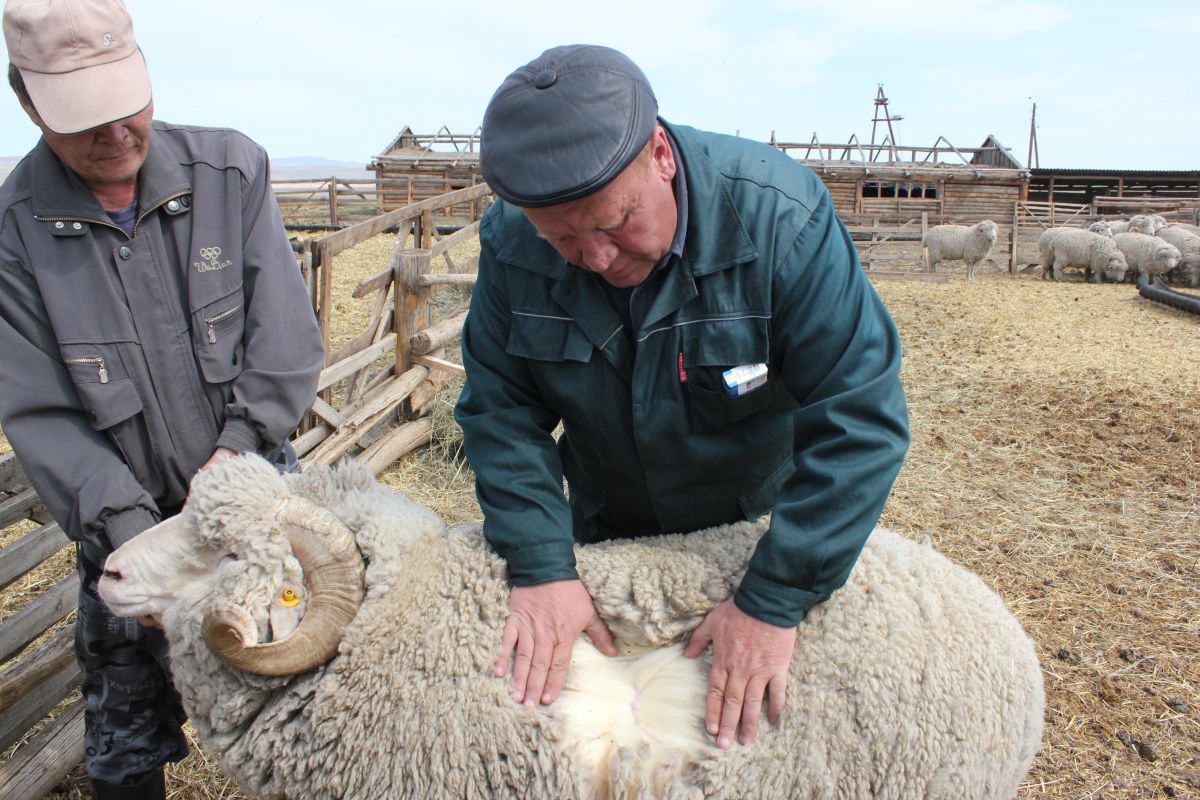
{"x":689,"y":306}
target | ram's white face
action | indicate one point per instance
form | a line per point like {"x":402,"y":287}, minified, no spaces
{"x":1167,"y":257}
{"x":1116,"y":267}
{"x":164,"y":566}
{"x":146,"y":575}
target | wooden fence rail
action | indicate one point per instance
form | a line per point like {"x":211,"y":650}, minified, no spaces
{"x":376,"y":393}
{"x":336,"y":202}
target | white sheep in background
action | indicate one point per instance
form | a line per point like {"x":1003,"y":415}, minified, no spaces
{"x":1148,"y":224}
{"x":1188,"y":244}
{"x":1116,"y":226}
{"x":1187,"y":226}
{"x":1075,"y":247}
{"x":970,"y":244}
{"x":913,"y":680}
{"x":1147,"y":255}
{"x":1046,"y":250}
{"x":1102,"y":227}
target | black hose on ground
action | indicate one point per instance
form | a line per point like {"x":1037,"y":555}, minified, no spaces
{"x":1159,"y":292}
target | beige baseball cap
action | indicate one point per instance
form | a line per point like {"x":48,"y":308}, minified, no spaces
{"x":79,"y":60}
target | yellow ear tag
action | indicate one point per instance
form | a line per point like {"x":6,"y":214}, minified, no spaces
{"x":290,"y":598}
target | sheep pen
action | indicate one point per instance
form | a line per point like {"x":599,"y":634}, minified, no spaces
{"x":1055,"y":460}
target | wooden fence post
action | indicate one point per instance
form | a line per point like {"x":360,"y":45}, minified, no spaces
{"x":323,"y":262}
{"x":1016,"y":228}
{"x":411,"y":301}
{"x":426,"y":230}
{"x":924,"y":249}
{"x":333,"y":201}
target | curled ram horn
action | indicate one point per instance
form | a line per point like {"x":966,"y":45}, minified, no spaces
{"x":333,"y":570}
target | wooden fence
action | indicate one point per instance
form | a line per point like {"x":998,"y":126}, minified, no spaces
{"x":1031,"y":219}
{"x":318,"y":203}
{"x":899,"y":238}
{"x":373,"y":404}
{"x":37,"y":678}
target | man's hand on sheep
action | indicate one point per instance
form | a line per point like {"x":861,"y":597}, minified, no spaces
{"x":220,"y":454}
{"x":543,"y":623}
{"x":750,"y":661}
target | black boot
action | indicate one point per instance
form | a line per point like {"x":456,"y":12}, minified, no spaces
{"x":152,"y":787}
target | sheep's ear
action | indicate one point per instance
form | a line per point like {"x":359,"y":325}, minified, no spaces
{"x":285,"y":613}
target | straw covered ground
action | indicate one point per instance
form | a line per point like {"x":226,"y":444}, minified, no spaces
{"x":1055,"y":441}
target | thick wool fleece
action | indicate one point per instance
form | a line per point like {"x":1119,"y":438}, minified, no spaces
{"x":914,"y":680}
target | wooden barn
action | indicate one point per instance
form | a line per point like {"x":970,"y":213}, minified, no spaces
{"x":415,"y":167}
{"x":1114,"y":192}
{"x":889,"y":194}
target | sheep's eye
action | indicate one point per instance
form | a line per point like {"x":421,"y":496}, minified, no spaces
{"x":289,"y":598}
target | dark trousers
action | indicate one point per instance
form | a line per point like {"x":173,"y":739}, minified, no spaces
{"x":133,"y":718}
{"x":133,"y":721}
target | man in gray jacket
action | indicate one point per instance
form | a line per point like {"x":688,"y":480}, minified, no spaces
{"x":152,"y":320}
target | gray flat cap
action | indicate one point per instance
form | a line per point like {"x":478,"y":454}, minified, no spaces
{"x":565,"y":124}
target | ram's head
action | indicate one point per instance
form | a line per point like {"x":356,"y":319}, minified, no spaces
{"x":277,"y":576}
{"x":1166,"y":257}
{"x":1115,"y":268}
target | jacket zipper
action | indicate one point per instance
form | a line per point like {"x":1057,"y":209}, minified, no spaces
{"x":97,"y":360}
{"x":82,"y":219}
{"x":212,"y":334}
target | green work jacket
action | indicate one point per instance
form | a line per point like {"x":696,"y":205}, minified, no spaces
{"x":651,"y":442}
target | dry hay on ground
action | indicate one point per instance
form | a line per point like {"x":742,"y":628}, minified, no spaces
{"x":1054,"y":452}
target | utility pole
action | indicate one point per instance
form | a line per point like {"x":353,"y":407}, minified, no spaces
{"x":1032,"y":158}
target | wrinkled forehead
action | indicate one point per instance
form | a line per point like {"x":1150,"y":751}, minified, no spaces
{"x":603,"y":210}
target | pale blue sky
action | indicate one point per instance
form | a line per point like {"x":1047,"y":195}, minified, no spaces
{"x":1114,"y":82}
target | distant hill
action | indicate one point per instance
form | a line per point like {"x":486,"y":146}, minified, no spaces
{"x":281,"y":168}
{"x":312,"y":167}
{"x":6,"y":165}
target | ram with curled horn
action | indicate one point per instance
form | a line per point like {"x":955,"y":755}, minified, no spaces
{"x":332,"y":639}
{"x":333,"y":573}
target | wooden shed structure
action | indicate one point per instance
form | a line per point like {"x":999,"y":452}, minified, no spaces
{"x":415,"y":167}
{"x":887,"y":193}
{"x":1117,"y":192}
{"x":864,"y":190}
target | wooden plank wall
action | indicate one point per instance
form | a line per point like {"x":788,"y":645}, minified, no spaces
{"x":844,"y":194}
{"x":972,"y":202}
{"x":407,"y":178}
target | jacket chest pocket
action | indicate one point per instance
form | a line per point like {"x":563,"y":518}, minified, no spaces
{"x":547,"y":338}
{"x":711,"y":351}
{"x":107,"y":395}
{"x":218,"y":330}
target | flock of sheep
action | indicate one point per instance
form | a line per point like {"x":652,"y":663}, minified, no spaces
{"x":332,"y":639}
{"x":1144,"y":246}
